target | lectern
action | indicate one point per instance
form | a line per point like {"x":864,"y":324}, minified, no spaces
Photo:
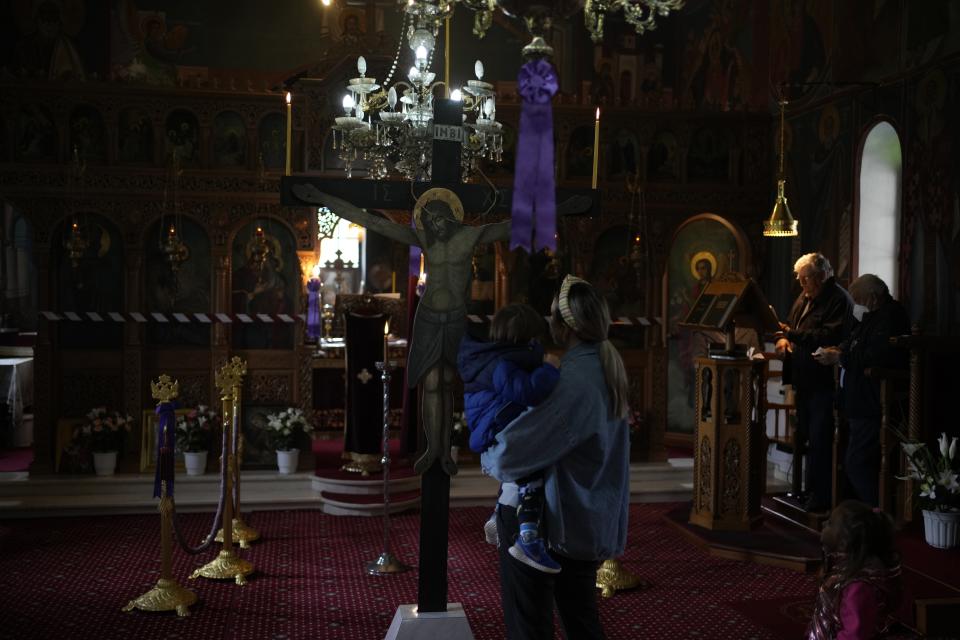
{"x":729,"y":455}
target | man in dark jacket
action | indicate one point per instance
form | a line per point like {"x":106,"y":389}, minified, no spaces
{"x":820,"y":317}
{"x":867,"y":346}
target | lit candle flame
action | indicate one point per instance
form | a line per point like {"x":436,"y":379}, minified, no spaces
{"x":288,"y":97}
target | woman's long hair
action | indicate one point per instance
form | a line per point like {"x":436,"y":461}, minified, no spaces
{"x":593,"y":323}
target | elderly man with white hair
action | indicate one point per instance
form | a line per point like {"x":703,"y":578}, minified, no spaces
{"x":820,"y":317}
{"x":867,"y":346}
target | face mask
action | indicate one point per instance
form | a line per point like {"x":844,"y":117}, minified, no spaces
{"x":858,"y":311}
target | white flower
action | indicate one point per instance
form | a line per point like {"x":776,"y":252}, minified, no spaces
{"x":944,"y":448}
{"x":948,"y":480}
{"x":953,"y":448}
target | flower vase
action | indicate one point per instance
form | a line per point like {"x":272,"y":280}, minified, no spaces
{"x":287,"y":460}
{"x":105,"y":463}
{"x":941,"y":529}
{"x":195,"y":462}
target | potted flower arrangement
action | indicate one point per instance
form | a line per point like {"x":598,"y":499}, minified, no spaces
{"x":194,"y":434}
{"x":935,"y":474}
{"x":283,"y":431}
{"x":102,"y":433}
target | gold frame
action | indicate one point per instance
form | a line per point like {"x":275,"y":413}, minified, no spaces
{"x":148,"y":454}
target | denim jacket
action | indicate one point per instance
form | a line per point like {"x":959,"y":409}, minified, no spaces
{"x":585,"y":456}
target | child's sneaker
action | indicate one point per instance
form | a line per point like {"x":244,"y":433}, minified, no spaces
{"x":534,"y":554}
{"x":490,"y":533}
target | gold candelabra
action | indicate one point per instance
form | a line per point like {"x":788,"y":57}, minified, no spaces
{"x":75,"y":244}
{"x":227,"y":565}
{"x":174,"y":249}
{"x":167,"y":595}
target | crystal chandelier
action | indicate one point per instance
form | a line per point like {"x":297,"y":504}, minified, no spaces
{"x":639,"y":14}
{"x":391,"y":130}
{"x":388,"y":128}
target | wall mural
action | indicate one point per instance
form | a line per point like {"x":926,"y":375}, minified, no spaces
{"x":266,"y":279}
{"x":36,"y":135}
{"x":802,"y":29}
{"x":54,"y":39}
{"x":183,"y":137}
{"x":708,"y":159}
{"x":184,"y":290}
{"x":135,"y":136}
{"x":704,"y":247}
{"x":229,"y":140}
{"x":91,"y":280}
{"x":624,"y":154}
{"x":580,"y":153}
{"x":619,"y":278}
{"x":148,"y":44}
{"x":663,"y":158}
{"x":88,"y":136}
{"x":272,"y":140}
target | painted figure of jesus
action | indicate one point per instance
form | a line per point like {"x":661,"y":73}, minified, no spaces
{"x":448,"y":247}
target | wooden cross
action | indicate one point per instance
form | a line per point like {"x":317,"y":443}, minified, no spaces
{"x":373,"y":194}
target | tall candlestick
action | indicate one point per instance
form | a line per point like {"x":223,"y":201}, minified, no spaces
{"x":286,"y":171}
{"x":393,"y":282}
{"x":596,"y":147}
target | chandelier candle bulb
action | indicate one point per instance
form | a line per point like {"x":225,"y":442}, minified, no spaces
{"x":596,"y":148}
{"x":286,"y":171}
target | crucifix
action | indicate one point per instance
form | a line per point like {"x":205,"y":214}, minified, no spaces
{"x":440,"y":320}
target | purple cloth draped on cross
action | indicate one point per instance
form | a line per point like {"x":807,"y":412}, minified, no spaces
{"x":166,"y":444}
{"x":415,"y":253}
{"x":313,"y":307}
{"x":534,"y":211}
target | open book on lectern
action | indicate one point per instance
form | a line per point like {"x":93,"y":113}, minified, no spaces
{"x":731,"y":298}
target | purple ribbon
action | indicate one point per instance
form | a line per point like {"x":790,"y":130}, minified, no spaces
{"x":166,"y":443}
{"x":534,"y":212}
{"x":313,"y":307}
{"x":415,"y":252}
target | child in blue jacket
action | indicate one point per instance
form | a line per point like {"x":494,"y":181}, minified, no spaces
{"x":501,"y":378}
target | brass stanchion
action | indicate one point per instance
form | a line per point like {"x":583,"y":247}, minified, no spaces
{"x":243,"y":534}
{"x":227,"y":565}
{"x":612,"y":577}
{"x":167,"y":595}
{"x":386,"y":563}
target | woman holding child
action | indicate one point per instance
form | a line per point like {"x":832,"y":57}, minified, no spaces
{"x":578,"y":438}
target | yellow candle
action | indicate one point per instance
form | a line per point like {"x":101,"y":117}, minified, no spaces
{"x":446,"y":59}
{"x":596,"y":147}
{"x":286,"y":171}
{"x":386,"y":332}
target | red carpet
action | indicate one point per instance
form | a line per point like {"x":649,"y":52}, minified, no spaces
{"x":68,"y":578}
{"x":16,"y":459}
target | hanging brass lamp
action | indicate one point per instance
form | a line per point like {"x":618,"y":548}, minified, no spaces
{"x":780,"y":223}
